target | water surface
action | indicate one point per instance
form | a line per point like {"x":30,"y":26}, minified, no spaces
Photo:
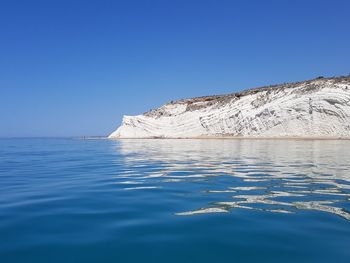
{"x":71,"y":200}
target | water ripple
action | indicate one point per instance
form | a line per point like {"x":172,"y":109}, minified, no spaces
{"x":70,"y":200}
{"x":274,"y":176}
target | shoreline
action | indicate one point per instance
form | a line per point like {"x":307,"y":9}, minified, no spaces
{"x":323,"y":138}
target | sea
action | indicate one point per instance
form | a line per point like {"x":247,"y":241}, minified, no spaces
{"x":213,"y":200}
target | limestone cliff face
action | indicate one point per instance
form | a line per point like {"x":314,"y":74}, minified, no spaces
{"x":319,"y":107}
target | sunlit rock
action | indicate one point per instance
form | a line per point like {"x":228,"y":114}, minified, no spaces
{"x":315,"y":108}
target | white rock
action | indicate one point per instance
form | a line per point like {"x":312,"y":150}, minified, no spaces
{"x":317,"y":108}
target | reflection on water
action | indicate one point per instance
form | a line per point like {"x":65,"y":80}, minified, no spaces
{"x":279,"y":176}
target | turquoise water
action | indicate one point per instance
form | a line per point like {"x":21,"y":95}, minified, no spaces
{"x":71,"y":200}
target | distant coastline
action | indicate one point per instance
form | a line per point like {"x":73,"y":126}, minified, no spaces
{"x":93,"y":137}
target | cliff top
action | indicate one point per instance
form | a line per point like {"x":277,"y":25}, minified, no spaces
{"x":308,"y":86}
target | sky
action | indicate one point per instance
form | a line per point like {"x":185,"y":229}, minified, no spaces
{"x":74,"y":68}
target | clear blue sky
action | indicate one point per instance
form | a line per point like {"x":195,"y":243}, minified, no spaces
{"x":75,"y":67}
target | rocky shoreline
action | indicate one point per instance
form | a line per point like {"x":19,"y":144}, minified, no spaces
{"x":318,"y":108}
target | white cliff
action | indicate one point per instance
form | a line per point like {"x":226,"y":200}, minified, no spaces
{"x":314,"y":108}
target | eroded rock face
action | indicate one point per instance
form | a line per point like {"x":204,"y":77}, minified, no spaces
{"x":315,"y":108}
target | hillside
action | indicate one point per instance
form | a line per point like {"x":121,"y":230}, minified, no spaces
{"x":313,"y":108}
